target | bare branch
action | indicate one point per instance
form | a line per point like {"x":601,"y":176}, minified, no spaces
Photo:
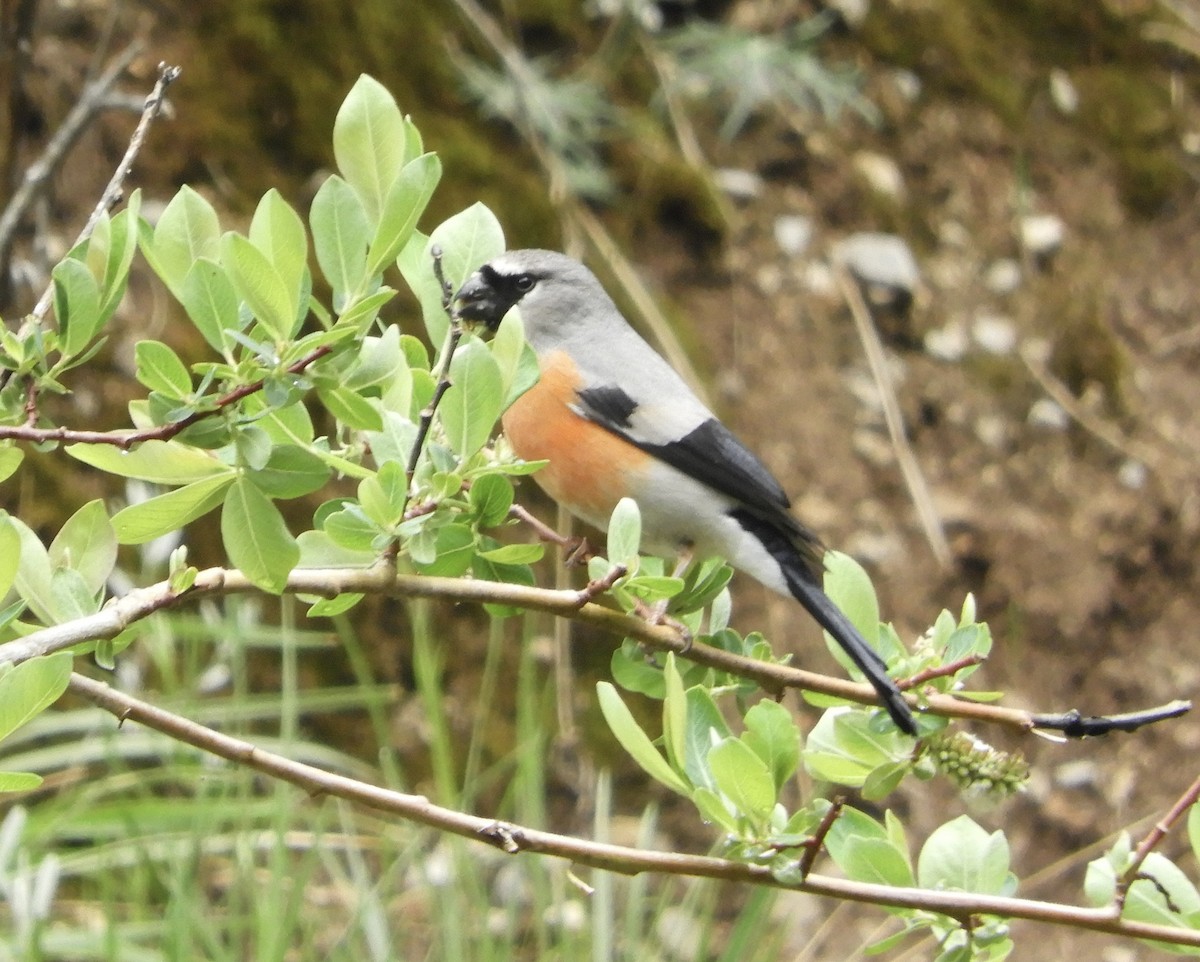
{"x":91,"y":102}
{"x":515,"y":839}
{"x":112,"y":193}
{"x":383,"y":579}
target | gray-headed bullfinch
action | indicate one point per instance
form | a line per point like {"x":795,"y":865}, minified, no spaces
{"x":615,"y":420}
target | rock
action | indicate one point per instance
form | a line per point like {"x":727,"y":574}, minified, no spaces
{"x":742,"y":185}
{"x":882,"y":262}
{"x":1002,"y":276}
{"x":994,"y":333}
{"x":1132,"y":474}
{"x":1077,"y":774}
{"x":881,"y":174}
{"x":1048,"y":415}
{"x":852,"y":12}
{"x":907,"y":83}
{"x":949,"y":343}
{"x":793,"y":233}
{"x":1042,"y":235}
{"x":1063,"y":92}
{"x":992,"y":430}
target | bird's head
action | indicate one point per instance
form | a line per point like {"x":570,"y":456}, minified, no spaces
{"x":549,"y":288}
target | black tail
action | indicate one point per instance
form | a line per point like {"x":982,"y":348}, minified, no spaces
{"x":798,"y":554}
{"x":830,"y":617}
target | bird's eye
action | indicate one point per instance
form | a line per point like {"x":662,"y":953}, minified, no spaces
{"x":525,"y":283}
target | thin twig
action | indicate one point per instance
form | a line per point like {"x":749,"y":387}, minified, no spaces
{"x":443,"y":381}
{"x":382,"y":579}
{"x":164,"y":432}
{"x":91,"y":102}
{"x":812,"y":848}
{"x":942,"y":671}
{"x":515,"y":839}
{"x":918,"y":490}
{"x":113,"y":191}
{"x":1134,"y":870}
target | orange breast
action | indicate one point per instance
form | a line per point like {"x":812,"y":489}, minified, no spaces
{"x":590,"y":468}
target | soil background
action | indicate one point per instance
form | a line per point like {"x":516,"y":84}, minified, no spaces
{"x":1078,"y":534}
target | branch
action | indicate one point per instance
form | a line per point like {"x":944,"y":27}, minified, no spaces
{"x":383,"y":579}
{"x":515,"y":839}
{"x":112,"y":193}
{"x":164,"y":432}
{"x":91,"y":102}
{"x":443,"y":381}
{"x":1153,"y":837}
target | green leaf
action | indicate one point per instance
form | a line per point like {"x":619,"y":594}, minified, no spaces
{"x":34,"y":574}
{"x":706,"y":727}
{"x":19,"y":781}
{"x":842,"y":748}
{"x":186,"y":231}
{"x":260,"y":285}
{"x":10,"y":554}
{"x":71,"y":596}
{"x":472,"y":405}
{"x":76,"y":305}
{"x":625,"y":534}
{"x":742,"y":777}
{"x":340,"y":237}
{"x":363,"y":310}
{"x":378,"y":360}
{"x":963,"y":857}
{"x":88,"y":544}
{"x":291,"y":472}
{"x":771,"y":732}
{"x":491,"y":498}
{"x":847,"y":583}
{"x":455,"y":548}
{"x":634,"y":670}
{"x":122,"y":247}
{"x":11,"y":457}
{"x":256,"y":537}
{"x":515,"y":554}
{"x":875,"y":860}
{"x":714,"y":810}
{"x":351,"y":408}
{"x":402,"y":208}
{"x":349,"y":528}
{"x":383,"y":495}
{"x":167,"y":513}
{"x":211,"y":303}
{"x":162,"y":462}
{"x":674,"y":714}
{"x":28,"y":689}
{"x":318,"y":550}
{"x":159,"y":369}
{"x":278,"y":232}
{"x":635,"y":741}
{"x":369,"y":143}
{"x":1193,"y":822}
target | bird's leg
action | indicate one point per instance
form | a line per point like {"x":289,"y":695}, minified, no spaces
{"x":656,"y":614}
{"x":577,"y":550}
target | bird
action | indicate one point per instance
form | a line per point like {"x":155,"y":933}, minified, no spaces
{"x":613,"y":419}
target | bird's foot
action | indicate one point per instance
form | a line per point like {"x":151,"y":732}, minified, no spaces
{"x":656,"y":614}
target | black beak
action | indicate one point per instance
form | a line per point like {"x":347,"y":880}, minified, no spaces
{"x":477,"y":302}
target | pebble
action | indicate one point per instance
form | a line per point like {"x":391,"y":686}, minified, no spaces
{"x":949,"y":343}
{"x":1002,"y":276}
{"x":992,"y":430}
{"x":994,"y":334}
{"x":741,"y":185}
{"x":1048,"y":415}
{"x":853,"y":12}
{"x":907,"y":83}
{"x":1132,"y":474}
{"x":1042,"y":234}
{"x":1077,"y":774}
{"x":881,"y":173}
{"x":876,"y":258}
{"x":793,"y":233}
{"x":1063,"y":92}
